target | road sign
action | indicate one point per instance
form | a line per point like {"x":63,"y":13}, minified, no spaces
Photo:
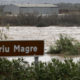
{"x":22,"y":48}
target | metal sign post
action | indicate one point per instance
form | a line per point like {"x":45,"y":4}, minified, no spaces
{"x":36,"y":59}
{"x":36,"y":63}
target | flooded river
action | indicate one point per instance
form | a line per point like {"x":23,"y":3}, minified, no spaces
{"x":48,"y":34}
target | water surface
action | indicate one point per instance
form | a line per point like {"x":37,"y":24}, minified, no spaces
{"x":48,"y":34}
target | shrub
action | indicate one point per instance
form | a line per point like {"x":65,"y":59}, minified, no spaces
{"x":36,"y":20}
{"x":41,"y":24}
{"x":69,"y":19}
{"x":54,"y":70}
{"x":65,"y":44}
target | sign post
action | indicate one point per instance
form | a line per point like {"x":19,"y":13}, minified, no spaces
{"x":36,"y":59}
{"x":22,"y":48}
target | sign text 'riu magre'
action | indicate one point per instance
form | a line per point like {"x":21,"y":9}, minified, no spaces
{"x":21,"y":48}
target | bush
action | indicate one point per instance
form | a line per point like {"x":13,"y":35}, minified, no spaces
{"x":65,"y":44}
{"x":41,"y":24}
{"x":41,"y":21}
{"x":54,"y":70}
{"x":69,"y":20}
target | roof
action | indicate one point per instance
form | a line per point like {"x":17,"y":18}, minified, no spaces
{"x":36,"y":5}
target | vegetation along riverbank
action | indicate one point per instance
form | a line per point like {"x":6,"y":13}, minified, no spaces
{"x":65,"y":45}
{"x":41,"y":21}
{"x":54,"y":70}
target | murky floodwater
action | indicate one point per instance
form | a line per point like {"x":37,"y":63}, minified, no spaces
{"x":48,"y":34}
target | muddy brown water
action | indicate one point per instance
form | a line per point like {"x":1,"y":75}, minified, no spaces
{"x":48,"y":34}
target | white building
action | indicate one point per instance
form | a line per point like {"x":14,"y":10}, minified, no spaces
{"x":41,"y":9}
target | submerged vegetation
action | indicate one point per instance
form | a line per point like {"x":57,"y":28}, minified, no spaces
{"x":54,"y":70}
{"x":3,"y":31}
{"x":65,"y":45}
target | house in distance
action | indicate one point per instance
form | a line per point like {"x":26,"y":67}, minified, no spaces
{"x":40,"y":9}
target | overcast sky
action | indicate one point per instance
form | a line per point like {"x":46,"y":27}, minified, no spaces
{"x":41,"y":1}
{"x":53,"y":1}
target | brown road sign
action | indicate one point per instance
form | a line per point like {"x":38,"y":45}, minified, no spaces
{"x":21,"y":48}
